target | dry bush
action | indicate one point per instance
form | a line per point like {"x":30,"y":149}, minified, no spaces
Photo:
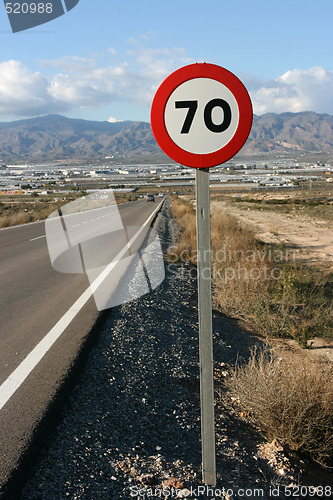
{"x":181,"y":207}
{"x":225,"y":227}
{"x":44,"y":211}
{"x":4,"y":221}
{"x":20,"y":218}
{"x":290,"y":397}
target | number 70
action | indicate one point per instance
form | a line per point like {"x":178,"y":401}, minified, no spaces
{"x":214,"y":103}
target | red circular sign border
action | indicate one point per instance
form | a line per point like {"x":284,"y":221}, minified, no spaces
{"x":181,"y":75}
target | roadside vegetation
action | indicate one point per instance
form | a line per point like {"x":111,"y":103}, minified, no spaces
{"x":258,"y":283}
{"x":285,"y":392}
{"x":290,"y":397}
{"x":13,"y":213}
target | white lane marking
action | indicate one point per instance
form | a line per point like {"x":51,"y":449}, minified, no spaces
{"x":38,"y":237}
{"x":18,"y":376}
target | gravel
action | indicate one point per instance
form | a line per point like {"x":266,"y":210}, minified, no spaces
{"x":130,"y":424}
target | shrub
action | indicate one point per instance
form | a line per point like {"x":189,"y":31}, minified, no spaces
{"x":290,"y":397}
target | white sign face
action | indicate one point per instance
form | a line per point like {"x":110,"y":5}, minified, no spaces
{"x":201,"y":116}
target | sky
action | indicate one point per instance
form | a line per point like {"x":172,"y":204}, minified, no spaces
{"x":104,"y":60}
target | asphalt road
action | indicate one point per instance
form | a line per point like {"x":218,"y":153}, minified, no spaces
{"x":33,"y":298}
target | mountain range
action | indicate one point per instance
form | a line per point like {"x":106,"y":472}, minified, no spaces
{"x":57,"y":137}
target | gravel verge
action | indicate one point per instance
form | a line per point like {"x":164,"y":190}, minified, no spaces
{"x":130,"y":425}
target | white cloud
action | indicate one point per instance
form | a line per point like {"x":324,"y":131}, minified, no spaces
{"x":134,"y":80}
{"x":24,"y":93}
{"x":71,"y":83}
{"x":112,"y":119}
{"x":296,"y":90}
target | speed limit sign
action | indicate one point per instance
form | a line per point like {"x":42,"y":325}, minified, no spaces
{"x":201,"y":115}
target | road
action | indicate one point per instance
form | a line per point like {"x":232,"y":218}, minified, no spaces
{"x":33,"y":298}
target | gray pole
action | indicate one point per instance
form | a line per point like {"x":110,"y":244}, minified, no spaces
{"x":205,"y":328}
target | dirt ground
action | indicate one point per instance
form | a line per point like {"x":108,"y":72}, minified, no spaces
{"x":309,"y":239}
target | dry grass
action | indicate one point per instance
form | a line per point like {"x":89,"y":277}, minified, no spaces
{"x":239,"y":266}
{"x":290,"y":397}
{"x":15,"y":219}
{"x":316,"y":203}
{"x":185,"y":248}
{"x":256,"y":282}
{"x":29,"y":209}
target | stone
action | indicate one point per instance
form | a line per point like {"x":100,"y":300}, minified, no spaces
{"x":172,"y":482}
{"x":147,"y":479}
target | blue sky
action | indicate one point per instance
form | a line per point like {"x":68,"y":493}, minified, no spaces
{"x":105,"y":59}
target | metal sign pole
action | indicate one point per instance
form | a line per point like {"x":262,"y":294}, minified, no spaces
{"x":205,"y":327}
